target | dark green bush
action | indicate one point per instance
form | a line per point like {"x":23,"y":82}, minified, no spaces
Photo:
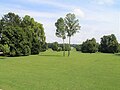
{"x":89,"y":46}
{"x":55,"y":46}
{"x":59,"y":49}
{"x":78,"y":47}
{"x":21,"y":35}
{"x":109,"y":44}
{"x":6,"y":49}
{"x":26,"y":50}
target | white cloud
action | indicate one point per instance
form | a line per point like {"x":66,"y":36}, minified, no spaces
{"x":78,"y":12}
{"x":102,"y":2}
{"x":94,"y":23}
{"x":32,"y":13}
{"x":71,"y":8}
{"x":105,"y":17}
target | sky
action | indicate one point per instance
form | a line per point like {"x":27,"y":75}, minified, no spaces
{"x":96,"y":17}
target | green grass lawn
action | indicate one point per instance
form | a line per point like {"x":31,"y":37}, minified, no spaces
{"x":51,"y":71}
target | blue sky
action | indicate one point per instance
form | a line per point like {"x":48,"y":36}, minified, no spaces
{"x":97,"y":17}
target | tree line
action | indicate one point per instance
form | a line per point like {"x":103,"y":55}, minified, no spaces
{"x":68,"y":26}
{"x":21,"y":36}
{"x":55,"y":46}
{"x":108,"y":44}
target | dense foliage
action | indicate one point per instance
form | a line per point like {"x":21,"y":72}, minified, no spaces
{"x":78,"y":47}
{"x":66,"y":47}
{"x":55,"y":46}
{"x":89,"y":46}
{"x":119,"y":48}
{"x":109,"y":44}
{"x":21,"y":36}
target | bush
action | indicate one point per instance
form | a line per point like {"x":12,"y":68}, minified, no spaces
{"x":78,"y":47}
{"x":35,"y":49}
{"x":119,"y":48}
{"x":55,"y":46}
{"x":35,"y":46}
{"x":43,"y":46}
{"x":26,"y":50}
{"x":19,"y":51}
{"x":67,"y":47}
{"x":1,"y":48}
{"x":6,"y":49}
{"x":13,"y":53}
{"x":109,"y":44}
{"x":49,"y":45}
{"x":89,"y":46}
{"x":59,"y":49}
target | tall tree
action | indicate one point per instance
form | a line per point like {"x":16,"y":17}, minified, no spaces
{"x":35,"y":34}
{"x":22,"y":36}
{"x":72,"y":26}
{"x":60,"y":31}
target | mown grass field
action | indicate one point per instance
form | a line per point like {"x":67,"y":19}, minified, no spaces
{"x":51,"y":71}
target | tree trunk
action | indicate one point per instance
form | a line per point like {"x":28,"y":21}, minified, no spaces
{"x":63,"y":48}
{"x":70,"y":47}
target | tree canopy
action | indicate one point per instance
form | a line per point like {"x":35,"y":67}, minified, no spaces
{"x":89,"y":46}
{"x":67,"y":26}
{"x":72,"y":26}
{"x":23,"y":36}
{"x":109,"y":44}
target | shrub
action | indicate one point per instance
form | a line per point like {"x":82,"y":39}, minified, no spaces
{"x":109,"y":44}
{"x":43,"y":46}
{"x":67,"y":47}
{"x":6,"y":49}
{"x":59,"y":49}
{"x":35,"y":46}
{"x":26,"y":50}
{"x":55,"y":46}
{"x":1,"y":47}
{"x":89,"y":46}
{"x":13,"y":53}
{"x":78,"y":47}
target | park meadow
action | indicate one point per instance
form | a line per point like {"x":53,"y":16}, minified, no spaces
{"x":51,"y":71}
{"x":29,"y":62}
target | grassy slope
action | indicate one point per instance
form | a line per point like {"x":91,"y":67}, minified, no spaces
{"x":51,"y":71}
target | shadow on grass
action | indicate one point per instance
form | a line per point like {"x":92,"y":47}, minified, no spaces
{"x":51,"y":55}
{"x":117,"y":54}
{"x":1,"y":58}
